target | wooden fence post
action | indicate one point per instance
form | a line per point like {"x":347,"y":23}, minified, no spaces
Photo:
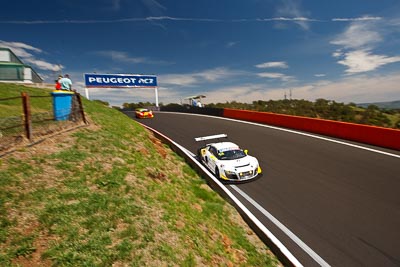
{"x":27,"y":115}
{"x":78,"y":97}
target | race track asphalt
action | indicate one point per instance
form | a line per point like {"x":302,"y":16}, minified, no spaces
{"x":342,"y":201}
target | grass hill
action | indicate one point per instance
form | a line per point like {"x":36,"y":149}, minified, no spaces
{"x":13,"y":107}
{"x":383,"y":105}
{"x":111,"y":194}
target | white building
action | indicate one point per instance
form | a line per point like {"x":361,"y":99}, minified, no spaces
{"x":13,"y":70}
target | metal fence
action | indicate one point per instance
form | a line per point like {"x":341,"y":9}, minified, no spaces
{"x":28,"y":119}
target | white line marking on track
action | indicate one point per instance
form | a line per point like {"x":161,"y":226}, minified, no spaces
{"x":282,"y":227}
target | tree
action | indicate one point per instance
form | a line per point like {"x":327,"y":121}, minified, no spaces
{"x":321,"y":108}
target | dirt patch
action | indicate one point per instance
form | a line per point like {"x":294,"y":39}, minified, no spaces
{"x":35,"y":259}
{"x":158,"y":145}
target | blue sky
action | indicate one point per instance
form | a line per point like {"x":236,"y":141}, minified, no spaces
{"x":243,"y":50}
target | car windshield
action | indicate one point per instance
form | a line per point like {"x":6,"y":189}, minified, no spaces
{"x":232,"y":154}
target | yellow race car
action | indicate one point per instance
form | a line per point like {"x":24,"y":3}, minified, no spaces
{"x":142,"y":113}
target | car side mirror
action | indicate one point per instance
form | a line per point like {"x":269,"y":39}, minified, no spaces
{"x":246,"y":151}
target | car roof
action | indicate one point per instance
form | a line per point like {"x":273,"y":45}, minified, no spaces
{"x":141,"y":109}
{"x":225,"y":146}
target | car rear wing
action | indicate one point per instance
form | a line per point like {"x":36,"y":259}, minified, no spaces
{"x":216,"y":136}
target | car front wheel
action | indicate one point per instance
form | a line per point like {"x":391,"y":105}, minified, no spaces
{"x":217,"y":173}
{"x":199,"y":155}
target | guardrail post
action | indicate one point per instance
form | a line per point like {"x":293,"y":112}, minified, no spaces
{"x":27,"y":115}
{"x":78,"y":97}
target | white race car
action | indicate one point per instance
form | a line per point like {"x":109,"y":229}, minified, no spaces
{"x":227,"y":161}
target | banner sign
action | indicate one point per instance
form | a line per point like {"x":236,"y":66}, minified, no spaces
{"x":120,"y":80}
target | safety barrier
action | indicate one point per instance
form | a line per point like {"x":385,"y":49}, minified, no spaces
{"x":378,"y":136}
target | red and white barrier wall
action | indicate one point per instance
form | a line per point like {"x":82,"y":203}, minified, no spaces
{"x":378,"y":136}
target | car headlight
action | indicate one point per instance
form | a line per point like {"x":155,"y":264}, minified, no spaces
{"x":229,"y":172}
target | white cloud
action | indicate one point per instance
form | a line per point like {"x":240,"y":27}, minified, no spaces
{"x":319,"y":75}
{"x":358,"y":35}
{"x":24,"y":52}
{"x":361,"y":61}
{"x":357,"y":89}
{"x":242,"y":93}
{"x":364,"y":18}
{"x":394,"y":22}
{"x":43,"y":65}
{"x":277,"y":19}
{"x":299,"y":20}
{"x":338,"y":53}
{"x":358,"y":42}
{"x":216,"y":74}
{"x":276,"y":64}
{"x":191,"y":79}
{"x":119,"y":56}
{"x":275,"y":75}
{"x":231,"y":44}
{"x":291,"y":8}
{"x":178,"y":79}
{"x":20,"y":49}
{"x":118,"y":96}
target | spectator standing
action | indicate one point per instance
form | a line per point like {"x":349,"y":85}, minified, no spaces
{"x":58,"y":84}
{"x":66,"y":83}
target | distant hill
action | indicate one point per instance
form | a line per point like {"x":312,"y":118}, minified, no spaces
{"x":383,"y":105}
